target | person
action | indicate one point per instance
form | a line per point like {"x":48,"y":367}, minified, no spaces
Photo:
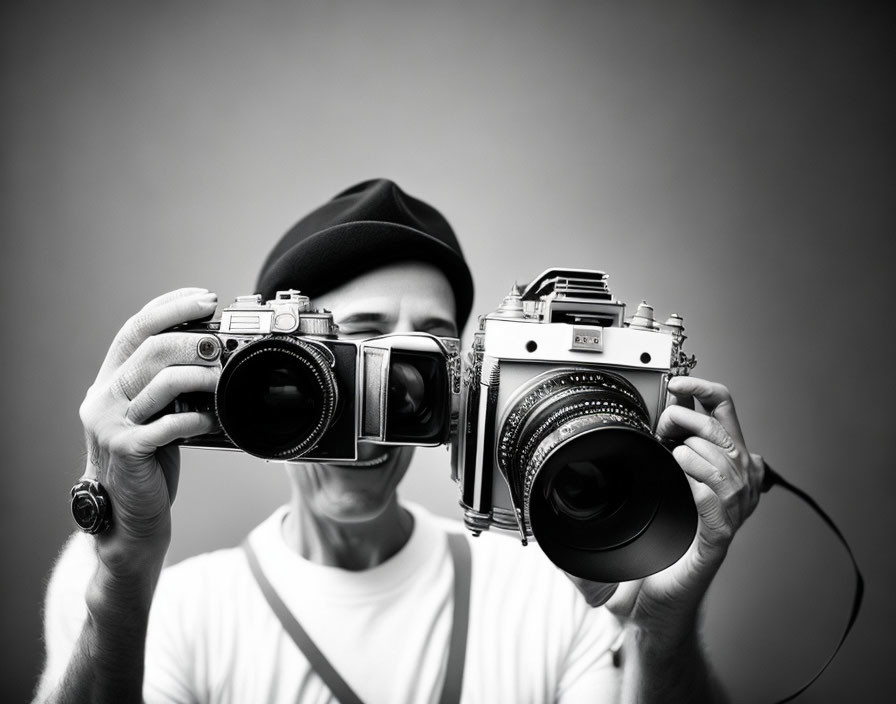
{"x":368,"y":576}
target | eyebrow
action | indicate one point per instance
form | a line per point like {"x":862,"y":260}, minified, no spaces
{"x":430,"y":323}
{"x":364,"y":318}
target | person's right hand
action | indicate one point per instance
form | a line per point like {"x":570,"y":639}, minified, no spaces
{"x":128,"y":451}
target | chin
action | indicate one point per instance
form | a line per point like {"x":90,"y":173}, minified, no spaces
{"x":353,"y":507}
{"x":352,"y":492}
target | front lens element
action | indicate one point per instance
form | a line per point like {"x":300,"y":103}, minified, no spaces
{"x":583,"y":491}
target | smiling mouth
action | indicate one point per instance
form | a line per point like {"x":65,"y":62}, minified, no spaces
{"x":373,"y":462}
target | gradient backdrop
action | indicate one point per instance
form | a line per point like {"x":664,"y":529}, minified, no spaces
{"x":732,"y":162}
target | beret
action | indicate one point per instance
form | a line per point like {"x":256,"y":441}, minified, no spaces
{"x":369,"y":225}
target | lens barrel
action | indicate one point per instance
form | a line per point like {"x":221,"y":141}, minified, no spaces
{"x":604,"y":500}
{"x":276,"y":397}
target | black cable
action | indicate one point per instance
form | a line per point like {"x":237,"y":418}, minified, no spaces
{"x":772,"y":478}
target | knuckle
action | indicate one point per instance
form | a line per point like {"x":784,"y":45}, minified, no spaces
{"x":173,"y":348}
{"x":725,"y":531}
{"x":148,"y":400}
{"x":157,"y":349}
{"x":85,"y":412}
{"x":124,"y":382}
{"x":139,"y":323}
{"x":716,"y":433}
{"x":133,"y":332}
{"x":710,"y":429}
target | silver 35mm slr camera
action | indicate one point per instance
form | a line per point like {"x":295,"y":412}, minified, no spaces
{"x":561,"y":401}
{"x":551,"y":423}
{"x":291,"y":389}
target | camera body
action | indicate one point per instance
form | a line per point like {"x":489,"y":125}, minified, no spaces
{"x":561,"y":399}
{"x":291,"y":389}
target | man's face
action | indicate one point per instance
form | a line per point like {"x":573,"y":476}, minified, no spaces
{"x":398,"y":298}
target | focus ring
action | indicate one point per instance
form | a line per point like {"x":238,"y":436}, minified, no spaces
{"x":565,"y":393}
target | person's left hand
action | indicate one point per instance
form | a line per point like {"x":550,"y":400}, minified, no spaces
{"x":725,"y":480}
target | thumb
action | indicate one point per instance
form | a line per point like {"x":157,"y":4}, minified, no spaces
{"x":622,"y":603}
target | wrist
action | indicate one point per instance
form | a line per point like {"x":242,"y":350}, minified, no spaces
{"x":663,"y":668}
{"x":665,"y":629}
{"x":126,"y":555}
{"x":120,"y":593}
{"x":120,"y":602}
{"x":657,"y":646}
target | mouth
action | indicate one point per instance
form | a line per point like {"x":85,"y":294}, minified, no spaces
{"x":372,"y":462}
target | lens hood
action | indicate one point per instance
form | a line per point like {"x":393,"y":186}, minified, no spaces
{"x":652,"y":518}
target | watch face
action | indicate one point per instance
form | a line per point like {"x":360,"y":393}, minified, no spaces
{"x":90,"y":506}
{"x":85,"y":510}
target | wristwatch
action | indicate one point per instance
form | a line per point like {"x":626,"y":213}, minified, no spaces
{"x":91,"y":507}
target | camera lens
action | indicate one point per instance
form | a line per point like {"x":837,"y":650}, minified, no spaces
{"x":276,"y":397}
{"x":604,"y":500}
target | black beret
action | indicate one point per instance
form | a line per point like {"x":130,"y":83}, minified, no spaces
{"x":362,"y":228}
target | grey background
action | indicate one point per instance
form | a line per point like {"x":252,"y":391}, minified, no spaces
{"x":732,"y":162}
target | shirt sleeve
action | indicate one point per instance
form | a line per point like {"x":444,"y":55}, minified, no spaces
{"x":170,"y":650}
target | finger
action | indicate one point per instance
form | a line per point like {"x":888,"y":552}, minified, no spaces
{"x":678,"y":423}
{"x":158,"y":315}
{"x":702,"y":460}
{"x":681,"y":399}
{"x":167,"y":385}
{"x":173,"y":295}
{"x":715,"y":399}
{"x":715,"y":528}
{"x":172,"y":428}
{"x":154,"y":355}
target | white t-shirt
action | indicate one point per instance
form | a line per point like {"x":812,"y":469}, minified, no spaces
{"x":532,"y":638}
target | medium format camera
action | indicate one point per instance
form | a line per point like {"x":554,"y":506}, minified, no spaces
{"x":291,"y":389}
{"x":556,"y":435}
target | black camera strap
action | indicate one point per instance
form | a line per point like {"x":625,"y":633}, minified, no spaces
{"x":772,"y":478}
{"x":454,"y":673}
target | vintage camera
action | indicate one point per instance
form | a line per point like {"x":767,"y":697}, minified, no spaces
{"x":556,"y":438}
{"x":291,"y":389}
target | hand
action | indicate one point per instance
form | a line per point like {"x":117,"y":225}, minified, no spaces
{"x":725,"y":480}
{"x":130,"y":454}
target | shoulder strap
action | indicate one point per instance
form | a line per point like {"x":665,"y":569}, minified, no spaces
{"x":457,"y":652}
{"x":460,"y":555}
{"x":319,"y":663}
